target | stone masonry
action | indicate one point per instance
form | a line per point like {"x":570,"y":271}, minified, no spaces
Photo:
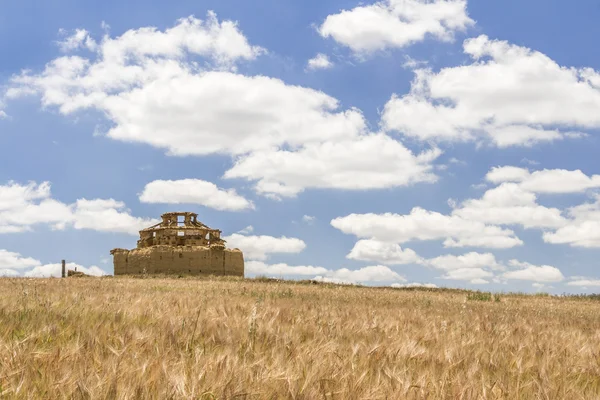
{"x":180,"y":244}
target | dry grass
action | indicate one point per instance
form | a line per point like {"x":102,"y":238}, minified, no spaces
{"x":120,"y":338}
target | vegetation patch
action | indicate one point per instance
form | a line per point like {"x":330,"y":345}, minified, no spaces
{"x":227,"y":338}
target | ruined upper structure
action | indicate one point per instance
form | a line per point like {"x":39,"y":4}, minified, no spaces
{"x":180,"y":229}
{"x":179,"y":244}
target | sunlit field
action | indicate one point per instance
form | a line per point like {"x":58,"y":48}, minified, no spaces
{"x":157,"y":338}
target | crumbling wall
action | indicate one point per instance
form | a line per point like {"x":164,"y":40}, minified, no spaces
{"x":189,"y":260}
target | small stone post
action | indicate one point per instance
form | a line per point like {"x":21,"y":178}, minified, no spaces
{"x":64,"y":269}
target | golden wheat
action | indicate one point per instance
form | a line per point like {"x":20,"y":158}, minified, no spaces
{"x":124,"y":338}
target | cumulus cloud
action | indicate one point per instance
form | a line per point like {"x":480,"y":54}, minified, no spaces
{"x":421,"y":224}
{"x":382,"y":252}
{"x":246,"y":230}
{"x":194,"y":191}
{"x":279,"y":270}
{"x":507,"y":173}
{"x":284,"y":138}
{"x":511,"y":95}
{"x":108,"y":216}
{"x":510,"y":204}
{"x":55,"y":270}
{"x":582,"y":228}
{"x":514,"y":202}
{"x":260,"y":247}
{"x":469,"y":260}
{"x":3,"y":114}
{"x":320,"y":61}
{"x":80,"y":39}
{"x":8,"y":273}
{"x":396,"y":23}
{"x":584,"y":282}
{"x":23,"y":206}
{"x":12,"y":261}
{"x":377,"y":273}
{"x":472,"y":267}
{"x":530,"y":272}
{"x":414,"y":285}
{"x":372,"y":161}
{"x":15,"y":265}
{"x":473,"y":275}
{"x":545,"y":181}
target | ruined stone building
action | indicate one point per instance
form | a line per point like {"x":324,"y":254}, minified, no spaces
{"x":180,"y":244}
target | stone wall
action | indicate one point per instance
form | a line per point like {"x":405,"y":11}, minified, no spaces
{"x":188,"y":260}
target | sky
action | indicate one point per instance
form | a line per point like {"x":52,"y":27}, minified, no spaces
{"x":446,"y":143}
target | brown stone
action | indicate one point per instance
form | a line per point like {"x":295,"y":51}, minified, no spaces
{"x":76,"y":274}
{"x":180,"y":244}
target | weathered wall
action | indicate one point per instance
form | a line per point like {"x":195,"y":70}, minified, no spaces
{"x":190,"y":260}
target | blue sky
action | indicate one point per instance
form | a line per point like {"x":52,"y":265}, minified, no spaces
{"x":446,"y":142}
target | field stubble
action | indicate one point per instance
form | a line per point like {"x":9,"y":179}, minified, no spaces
{"x":124,"y":338}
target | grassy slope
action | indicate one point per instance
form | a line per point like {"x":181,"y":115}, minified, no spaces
{"x":187,"y":338}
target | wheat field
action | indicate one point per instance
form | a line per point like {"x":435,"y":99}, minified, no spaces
{"x":159,"y":338}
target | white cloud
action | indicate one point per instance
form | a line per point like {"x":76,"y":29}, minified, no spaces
{"x":411,"y":63}
{"x":396,"y":23}
{"x":377,"y":273}
{"x":247,"y":230}
{"x":10,"y":260}
{"x":529,"y":162}
{"x":584,"y":282}
{"x":421,"y":224}
{"x":287,"y":138}
{"x":414,"y":285}
{"x":507,"y":174}
{"x":134,"y":75}
{"x":240,"y":114}
{"x":511,"y":95}
{"x":15,"y":195}
{"x":473,"y":275}
{"x":78,"y":40}
{"x":373,"y":161}
{"x":510,"y":204}
{"x":279,"y":270}
{"x":530,"y":272}
{"x":260,"y":247}
{"x":469,"y":260}
{"x":108,"y":216}
{"x":582,"y":229}
{"x":308,"y":219}
{"x":514,"y":202}
{"x":194,"y":191}
{"x":55,"y":270}
{"x":320,"y":61}
{"x":472,"y":267}
{"x":545,"y":181}
{"x":24,"y":206}
{"x":382,"y":252}
{"x":3,"y":114}
{"x":9,"y":273}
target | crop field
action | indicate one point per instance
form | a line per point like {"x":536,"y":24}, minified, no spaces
{"x":159,"y":338}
